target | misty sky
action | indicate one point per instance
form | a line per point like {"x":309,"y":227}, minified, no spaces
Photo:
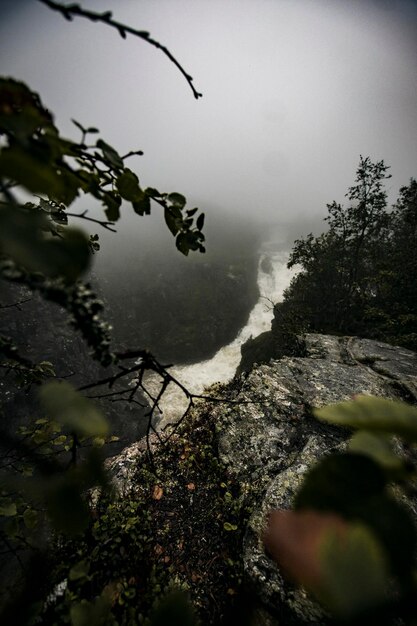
{"x":294,"y":91}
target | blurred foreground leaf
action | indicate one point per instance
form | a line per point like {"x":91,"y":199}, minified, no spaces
{"x":174,"y":609}
{"x":341,"y":563}
{"x":25,"y":238}
{"x":93,"y":613}
{"x":79,"y":570}
{"x":337,"y":483}
{"x":354,"y":570}
{"x":68,"y":407}
{"x":8,"y":508}
{"x":371,"y":413}
{"x":354,"y":486}
{"x":379,"y":448}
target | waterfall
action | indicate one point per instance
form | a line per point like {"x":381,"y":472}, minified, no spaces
{"x":273,"y":278}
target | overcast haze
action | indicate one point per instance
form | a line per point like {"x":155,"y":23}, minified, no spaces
{"x":293,"y":92}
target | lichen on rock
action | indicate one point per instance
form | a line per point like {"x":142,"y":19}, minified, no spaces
{"x":271,"y":439}
{"x":268,"y":438}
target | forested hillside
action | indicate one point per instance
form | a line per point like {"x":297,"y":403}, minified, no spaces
{"x":360,"y":276}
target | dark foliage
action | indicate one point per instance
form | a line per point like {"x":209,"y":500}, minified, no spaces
{"x":359,"y":277}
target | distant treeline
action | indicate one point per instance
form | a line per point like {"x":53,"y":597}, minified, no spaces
{"x":357,"y":278}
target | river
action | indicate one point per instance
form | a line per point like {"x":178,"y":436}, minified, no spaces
{"x":273,"y":278}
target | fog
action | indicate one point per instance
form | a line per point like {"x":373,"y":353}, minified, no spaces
{"x":293,"y":92}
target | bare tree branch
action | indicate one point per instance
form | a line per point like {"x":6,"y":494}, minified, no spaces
{"x":71,"y":10}
{"x":83,"y":216}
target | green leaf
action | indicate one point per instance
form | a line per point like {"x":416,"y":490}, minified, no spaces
{"x":110,"y":154}
{"x":355,"y":576}
{"x":89,"y":182}
{"x":339,"y":482}
{"x":78,"y":125}
{"x":193,"y":240}
{"x":177,"y":200}
{"x":112,"y":203}
{"x":60,"y":441}
{"x":154,"y":193}
{"x":174,"y":609}
{"x":47,"y":367}
{"x":353,"y":485}
{"x":373,"y":414}
{"x":182,"y":244}
{"x":79,"y":570}
{"x":91,"y":613}
{"x":38,"y":175}
{"x":394,"y":527}
{"x":23,"y":238}
{"x":173,"y":223}
{"x":379,"y":448}
{"x":142,"y":206}
{"x":200,"y":221}
{"x":128,"y":186}
{"x":8,"y":509}
{"x":68,"y":407}
{"x":30,"y":518}
{"x":22,"y":112}
{"x":229,"y":527}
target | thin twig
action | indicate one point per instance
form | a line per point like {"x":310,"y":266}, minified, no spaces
{"x":69,"y":11}
{"x":132,"y":153}
{"x":15,"y":304}
{"x":83,"y":216}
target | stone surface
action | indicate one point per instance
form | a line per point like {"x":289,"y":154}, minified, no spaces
{"x":271,"y":440}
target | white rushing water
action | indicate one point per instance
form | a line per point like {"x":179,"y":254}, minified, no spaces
{"x":273,"y":278}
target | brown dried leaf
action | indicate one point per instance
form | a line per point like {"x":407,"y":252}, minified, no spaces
{"x":293,"y":538}
{"x":158,"y":492}
{"x":158,"y":549}
{"x":112,"y":592}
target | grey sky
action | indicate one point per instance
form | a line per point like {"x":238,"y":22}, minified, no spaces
{"x":294,"y":91}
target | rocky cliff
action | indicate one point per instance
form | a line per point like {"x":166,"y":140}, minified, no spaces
{"x":268,"y":438}
{"x":273,"y":440}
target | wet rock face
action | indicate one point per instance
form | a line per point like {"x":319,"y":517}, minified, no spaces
{"x":271,"y":440}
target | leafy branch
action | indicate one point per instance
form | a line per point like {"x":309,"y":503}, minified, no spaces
{"x":71,"y":10}
{"x":102,"y":223}
{"x":39,"y":250}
